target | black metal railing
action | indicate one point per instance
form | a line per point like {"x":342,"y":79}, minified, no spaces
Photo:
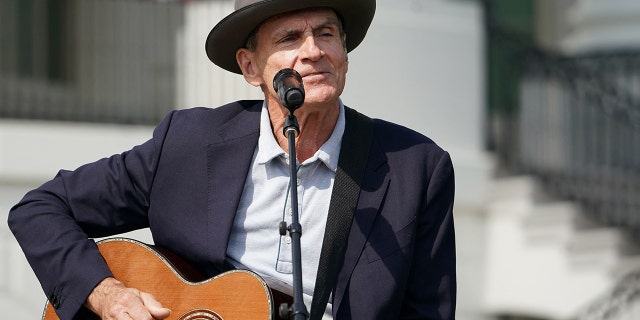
{"x":575,"y":125}
{"x":579,"y":132}
{"x":574,"y":122}
{"x":622,"y":302}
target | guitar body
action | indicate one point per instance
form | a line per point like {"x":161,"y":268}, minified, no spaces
{"x":237,"y":294}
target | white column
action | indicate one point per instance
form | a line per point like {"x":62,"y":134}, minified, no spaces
{"x":199,"y":81}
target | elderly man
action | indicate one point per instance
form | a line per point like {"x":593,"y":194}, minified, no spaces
{"x":375,"y":198}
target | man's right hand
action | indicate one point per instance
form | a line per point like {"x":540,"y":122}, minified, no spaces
{"x":112,"y":300}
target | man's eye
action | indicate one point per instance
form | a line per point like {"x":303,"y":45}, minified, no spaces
{"x":289,"y":38}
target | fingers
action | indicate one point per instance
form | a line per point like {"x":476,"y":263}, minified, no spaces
{"x":112,"y":300}
{"x":154,"y":307}
{"x":127,"y":305}
{"x":137,"y":305}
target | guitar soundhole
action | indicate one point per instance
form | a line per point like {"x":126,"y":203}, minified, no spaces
{"x":200,"y":314}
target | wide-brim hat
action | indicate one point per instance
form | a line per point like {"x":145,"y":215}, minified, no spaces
{"x":231,"y":33}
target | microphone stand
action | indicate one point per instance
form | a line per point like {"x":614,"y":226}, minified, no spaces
{"x":298,"y":311}
{"x":288,"y":84}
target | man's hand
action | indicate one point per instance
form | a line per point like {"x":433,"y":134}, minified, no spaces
{"x":112,"y":300}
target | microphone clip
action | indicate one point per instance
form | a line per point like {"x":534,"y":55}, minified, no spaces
{"x":291,"y":125}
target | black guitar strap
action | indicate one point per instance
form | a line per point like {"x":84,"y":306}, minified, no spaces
{"x":354,"y":153}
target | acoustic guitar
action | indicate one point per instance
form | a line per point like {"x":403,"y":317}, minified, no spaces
{"x":237,"y":294}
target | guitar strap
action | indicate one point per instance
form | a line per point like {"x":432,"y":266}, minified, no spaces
{"x":354,"y":153}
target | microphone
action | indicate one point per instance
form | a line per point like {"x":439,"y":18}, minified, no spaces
{"x":288,"y":84}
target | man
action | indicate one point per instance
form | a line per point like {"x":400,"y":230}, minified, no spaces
{"x":212,"y":185}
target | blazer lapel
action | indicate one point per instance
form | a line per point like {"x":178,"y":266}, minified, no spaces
{"x":228,"y":162}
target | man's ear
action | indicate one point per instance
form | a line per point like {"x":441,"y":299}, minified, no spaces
{"x":250,"y":71}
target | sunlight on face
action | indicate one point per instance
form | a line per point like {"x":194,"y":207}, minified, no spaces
{"x":308,"y":41}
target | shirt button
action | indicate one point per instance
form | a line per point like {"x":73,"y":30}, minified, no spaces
{"x":298,"y":182}
{"x":287,"y":240}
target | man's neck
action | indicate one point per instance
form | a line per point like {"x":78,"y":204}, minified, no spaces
{"x":316,"y":126}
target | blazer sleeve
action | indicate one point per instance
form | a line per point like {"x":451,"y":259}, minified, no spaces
{"x":54,"y":223}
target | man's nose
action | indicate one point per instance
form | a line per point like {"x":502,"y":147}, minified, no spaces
{"x":310,"y":49}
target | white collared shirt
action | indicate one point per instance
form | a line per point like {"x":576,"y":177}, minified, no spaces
{"x":255,"y":242}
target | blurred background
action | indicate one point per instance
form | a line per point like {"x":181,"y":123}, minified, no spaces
{"x":536,"y":100}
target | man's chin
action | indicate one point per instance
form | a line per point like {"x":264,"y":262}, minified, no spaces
{"x":321,"y":94}
{"x":325,"y":101}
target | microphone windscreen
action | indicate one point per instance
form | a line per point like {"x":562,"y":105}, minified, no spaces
{"x":288,"y":84}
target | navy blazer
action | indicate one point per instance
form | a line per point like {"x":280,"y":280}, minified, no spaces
{"x":185,"y":184}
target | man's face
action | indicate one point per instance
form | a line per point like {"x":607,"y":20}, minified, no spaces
{"x":307,"y":41}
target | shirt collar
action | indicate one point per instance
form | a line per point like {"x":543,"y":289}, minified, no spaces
{"x":268,"y":147}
